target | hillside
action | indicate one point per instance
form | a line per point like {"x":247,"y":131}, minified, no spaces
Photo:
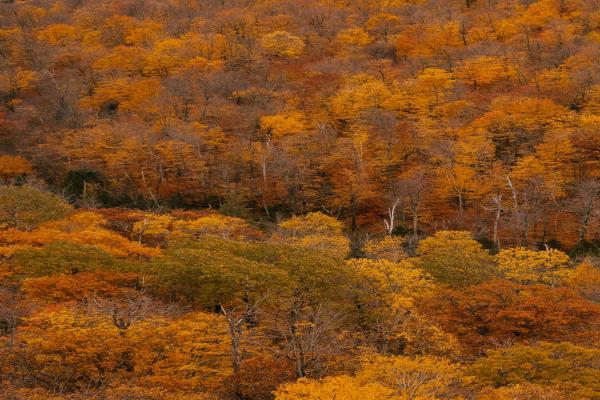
{"x":462,"y":114}
{"x":299,"y":200}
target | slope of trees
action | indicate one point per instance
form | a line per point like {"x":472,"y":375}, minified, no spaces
{"x":408,"y":115}
{"x":128,"y":304}
{"x":307,"y":199}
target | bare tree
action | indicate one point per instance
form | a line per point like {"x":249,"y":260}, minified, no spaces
{"x":497,"y":208}
{"x":587,"y":199}
{"x":307,"y":333}
{"x":237,"y":317}
{"x":412,"y":187}
{"x":390,"y":222}
{"x":123,"y":310}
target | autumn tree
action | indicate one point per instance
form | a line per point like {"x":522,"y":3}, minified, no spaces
{"x":315,"y":231}
{"x":455,"y":259}
{"x":94,"y":353}
{"x":562,"y":367}
{"x":381,"y":377}
{"x":13,"y":169}
{"x":24,"y":207}
{"x":528,"y":266}
{"x":498,"y":313}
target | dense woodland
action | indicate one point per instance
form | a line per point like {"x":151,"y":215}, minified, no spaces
{"x":470,"y":115}
{"x":302,"y":199}
{"x":129,"y":304}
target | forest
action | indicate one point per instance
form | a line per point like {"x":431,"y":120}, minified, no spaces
{"x":299,"y":199}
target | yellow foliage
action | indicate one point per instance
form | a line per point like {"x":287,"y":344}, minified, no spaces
{"x":213,"y":224}
{"x":158,"y":352}
{"x":166,"y":56}
{"x":143,"y":32}
{"x":280,"y":125}
{"x":423,"y":377}
{"x":381,"y":377}
{"x":341,"y":387}
{"x":334,"y":246}
{"x":122,"y":29}
{"x":312,"y":224}
{"x":455,"y":258}
{"x":522,"y":391}
{"x":361,"y":92}
{"x":356,"y":37}
{"x":388,"y":248}
{"x":315,"y":231}
{"x":436,"y":81}
{"x":26,"y":80}
{"x":429,"y":39}
{"x":552,"y":161}
{"x":125,"y":58}
{"x":282,"y":43}
{"x":383,"y":24}
{"x":59,"y":34}
{"x":124,"y":94}
{"x":14,"y":166}
{"x":82,"y":228}
{"x":585,"y":279}
{"x":152,"y":224}
{"x":540,"y":13}
{"x":485,"y":70}
{"x":528,"y":266}
{"x":563,"y":366}
{"x":396,"y":283}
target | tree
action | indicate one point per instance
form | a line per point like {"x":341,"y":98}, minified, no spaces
{"x":499,"y":313}
{"x":338,"y":387}
{"x":220,"y":281}
{"x":213,"y":225}
{"x":420,"y":377}
{"x":354,"y":37}
{"x":564,"y":367}
{"x":14,"y":308}
{"x":282,"y":44}
{"x":455,"y":259}
{"x":393,"y":284}
{"x":385,"y":295}
{"x":413,"y":185}
{"x":522,"y":392}
{"x":62,"y":258}
{"x":80,"y":287}
{"x":315,"y":231}
{"x":13,"y":169}
{"x":588,"y":192}
{"x":388,"y":248}
{"x":84,"y":351}
{"x":212,"y":278}
{"x":25,"y":207}
{"x":359,"y":93}
{"x":485,"y":71}
{"x":83,"y":228}
{"x":311,"y":336}
{"x":436,"y":81}
{"x":585,"y":279}
{"x":283,"y":124}
{"x":527,"y":266}
{"x":381,"y":377}
{"x":383,"y":25}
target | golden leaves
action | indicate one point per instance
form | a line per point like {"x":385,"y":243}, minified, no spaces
{"x":283,"y":124}
{"x":315,"y":231}
{"x":14,"y":166}
{"x":381,"y":377}
{"x":527,"y":266}
{"x":282,"y":44}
